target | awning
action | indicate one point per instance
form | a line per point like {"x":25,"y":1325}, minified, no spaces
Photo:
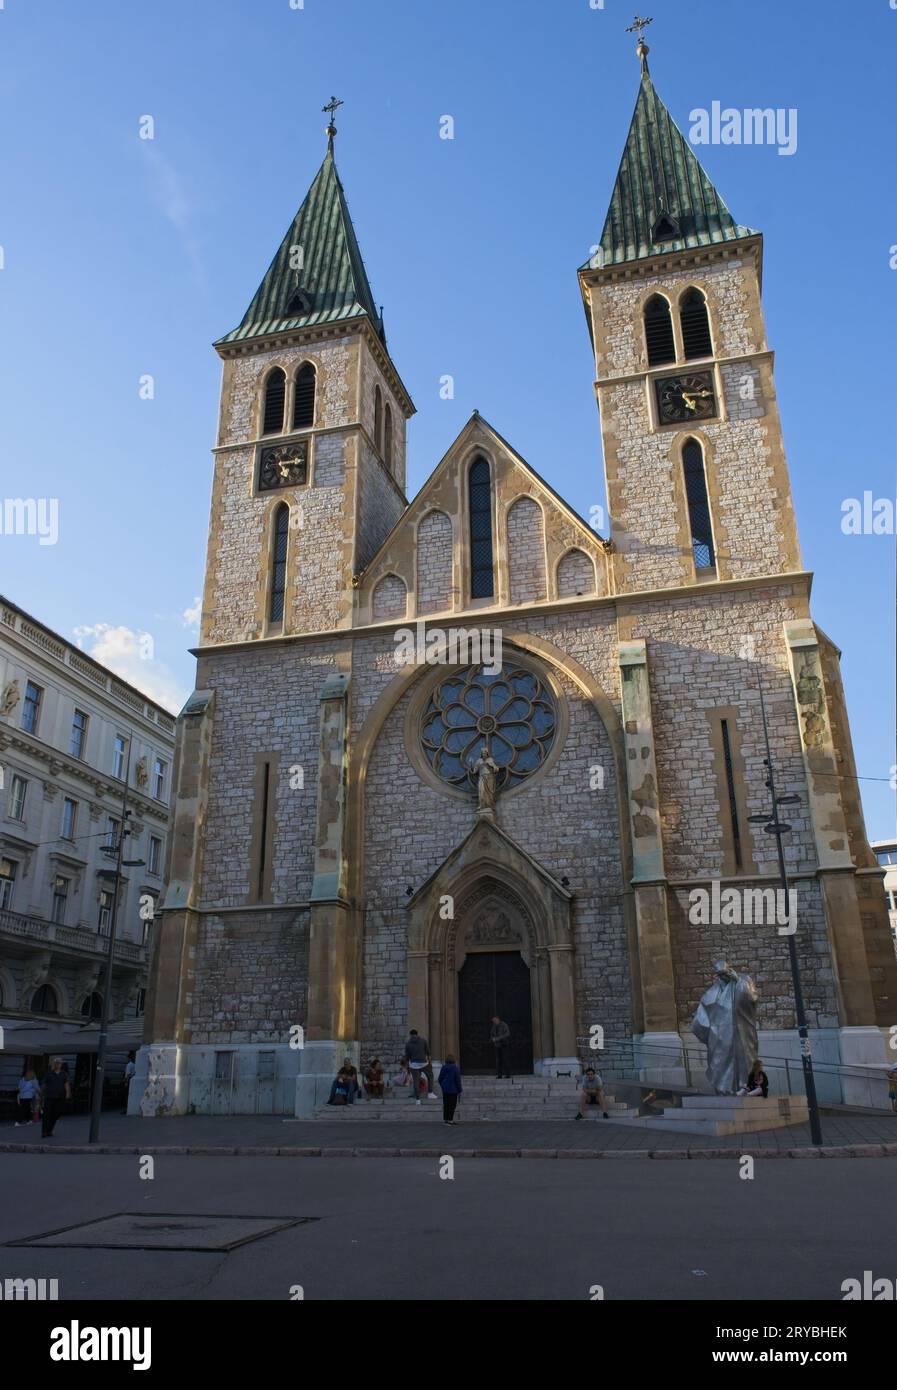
{"x":29,"y":1037}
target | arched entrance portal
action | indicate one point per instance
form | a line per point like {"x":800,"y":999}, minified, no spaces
{"x":490,"y":933}
{"x":494,"y":983}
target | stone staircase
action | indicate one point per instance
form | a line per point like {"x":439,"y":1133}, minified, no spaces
{"x":484,"y":1098}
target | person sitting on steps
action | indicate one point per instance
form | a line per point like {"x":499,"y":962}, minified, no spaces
{"x":591,"y":1093}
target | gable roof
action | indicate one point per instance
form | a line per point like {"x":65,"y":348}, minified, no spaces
{"x":660,"y":176}
{"x":331,"y":285}
{"x":420,"y":500}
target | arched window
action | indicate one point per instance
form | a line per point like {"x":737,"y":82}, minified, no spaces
{"x":695,"y":325}
{"x":480,"y":495}
{"x":275,"y":397}
{"x":304,"y":397}
{"x":279,"y":563}
{"x":378,"y":419}
{"x":387,"y":438}
{"x":92,"y":1007}
{"x":659,"y":331}
{"x":698,"y":505}
{"x":45,"y":1001}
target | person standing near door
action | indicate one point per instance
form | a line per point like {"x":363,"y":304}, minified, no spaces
{"x":500,"y":1035}
{"x":450,"y":1084}
{"x":56,"y":1090}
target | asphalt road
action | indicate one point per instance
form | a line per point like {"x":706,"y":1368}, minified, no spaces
{"x":500,"y":1229}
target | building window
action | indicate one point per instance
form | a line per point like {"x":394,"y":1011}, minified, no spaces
{"x":31,"y":707}
{"x":147,"y":921}
{"x":387,"y":439}
{"x":92,"y":1008}
{"x":44,"y":1001}
{"x":480,"y":495}
{"x":892,"y":900}
{"x":304,"y":397}
{"x":279,"y":563}
{"x":886,"y":856}
{"x":275,"y":399}
{"x":154,"y":859}
{"x":698,"y":505}
{"x":513,"y":717}
{"x":730,"y":788}
{"x":60,"y":899}
{"x":378,"y":419}
{"x":160,"y":777}
{"x":104,"y":917}
{"x":140,"y":1006}
{"x":7,"y":882}
{"x":118,"y":756}
{"x":695,"y":325}
{"x":79,"y":734}
{"x":69,"y":818}
{"x":659,"y":331}
{"x":111,"y":838}
{"x":17,"y":789}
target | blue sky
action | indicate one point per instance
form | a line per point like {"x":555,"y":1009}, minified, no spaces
{"x":125,"y":257}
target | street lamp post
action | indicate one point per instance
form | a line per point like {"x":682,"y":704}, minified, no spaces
{"x":778,"y":828}
{"x":96,"y":1103}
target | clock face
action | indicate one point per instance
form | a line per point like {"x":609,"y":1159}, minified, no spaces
{"x":684,"y":398}
{"x":284,"y":465}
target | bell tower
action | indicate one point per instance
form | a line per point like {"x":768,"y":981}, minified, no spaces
{"x":697,"y":483}
{"x":310,"y":457}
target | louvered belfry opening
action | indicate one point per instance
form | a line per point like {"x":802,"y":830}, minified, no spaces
{"x":275,"y":399}
{"x":695,"y":325}
{"x":659,"y":331}
{"x":480,"y":495}
{"x":304,"y":397}
{"x":698,"y":505}
{"x":279,"y":563}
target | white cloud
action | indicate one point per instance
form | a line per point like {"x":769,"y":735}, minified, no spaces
{"x":170,"y":194}
{"x":192,"y":614}
{"x":131,"y":655}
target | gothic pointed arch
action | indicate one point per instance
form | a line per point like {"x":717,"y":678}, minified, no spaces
{"x":274,"y":394}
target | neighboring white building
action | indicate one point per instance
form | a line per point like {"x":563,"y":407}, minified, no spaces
{"x":66,"y":724}
{"x":886,"y":854}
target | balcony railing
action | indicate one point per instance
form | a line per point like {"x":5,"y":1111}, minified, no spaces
{"x":29,"y":928}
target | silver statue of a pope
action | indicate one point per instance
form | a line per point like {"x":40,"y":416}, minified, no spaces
{"x":726,"y":1022}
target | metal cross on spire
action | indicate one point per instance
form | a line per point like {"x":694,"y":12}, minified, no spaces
{"x":331,"y":109}
{"x":639,"y":26}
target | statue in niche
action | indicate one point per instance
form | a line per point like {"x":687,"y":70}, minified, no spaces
{"x":486,"y":770}
{"x":726,"y":1022}
{"x":141,"y":772}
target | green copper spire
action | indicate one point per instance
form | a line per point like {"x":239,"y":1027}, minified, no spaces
{"x":662,"y":199}
{"x":318,"y":275}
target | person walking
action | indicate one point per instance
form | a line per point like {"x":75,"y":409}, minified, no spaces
{"x":28,"y":1093}
{"x":130,"y":1069}
{"x":450,"y":1084}
{"x":417,"y":1055}
{"x":55,"y":1091}
{"x":500,"y":1036}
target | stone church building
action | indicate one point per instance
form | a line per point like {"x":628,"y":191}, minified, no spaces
{"x":339,"y":870}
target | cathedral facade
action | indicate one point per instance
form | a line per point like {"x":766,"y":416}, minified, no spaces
{"x":462,"y":755}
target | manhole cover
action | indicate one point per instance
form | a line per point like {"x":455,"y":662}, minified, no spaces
{"x":165,"y":1231}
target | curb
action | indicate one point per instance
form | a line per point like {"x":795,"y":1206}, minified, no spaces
{"x":283,"y":1151}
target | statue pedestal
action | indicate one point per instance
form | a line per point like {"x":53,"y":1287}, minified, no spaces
{"x":720,"y":1115}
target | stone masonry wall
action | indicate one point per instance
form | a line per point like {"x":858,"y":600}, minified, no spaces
{"x":434,"y":563}
{"x":251,"y":977}
{"x":526,"y":551}
{"x":576,"y":574}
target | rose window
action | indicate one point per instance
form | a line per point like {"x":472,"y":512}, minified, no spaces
{"x":512,"y":715}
